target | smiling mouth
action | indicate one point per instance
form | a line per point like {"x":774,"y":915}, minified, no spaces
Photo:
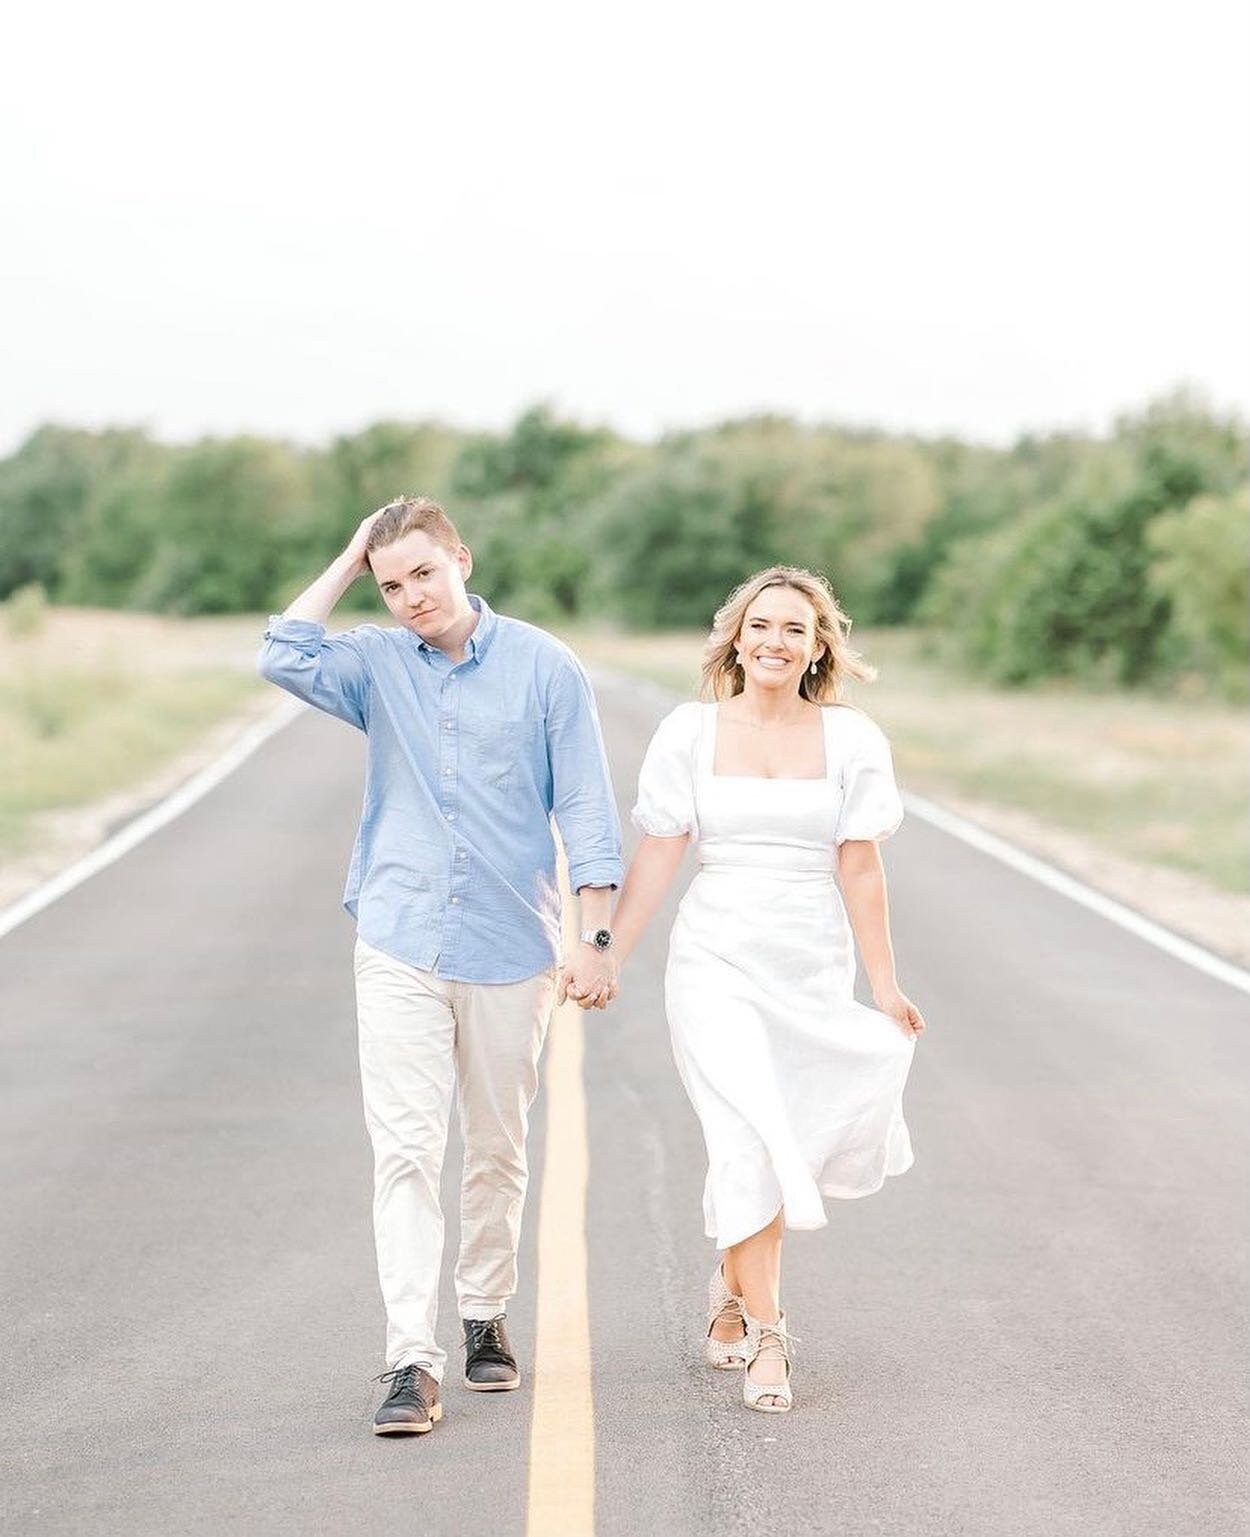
{"x":775,"y":662}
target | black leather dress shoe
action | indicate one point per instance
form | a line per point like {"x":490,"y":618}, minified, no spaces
{"x":489,"y":1365}
{"x":411,"y":1407}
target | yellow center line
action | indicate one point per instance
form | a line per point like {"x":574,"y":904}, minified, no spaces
{"x":562,"y":1433}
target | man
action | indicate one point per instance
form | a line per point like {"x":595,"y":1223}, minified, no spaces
{"x":479,"y":728}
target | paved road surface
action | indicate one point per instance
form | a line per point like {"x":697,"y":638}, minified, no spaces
{"x":1038,"y":1330}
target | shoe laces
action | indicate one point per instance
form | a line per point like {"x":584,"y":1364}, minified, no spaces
{"x":407,"y":1383}
{"x":730,"y":1310}
{"x":482,"y":1335}
{"x":775,"y":1344}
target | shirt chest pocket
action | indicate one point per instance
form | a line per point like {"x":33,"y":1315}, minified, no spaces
{"x":502,"y":748}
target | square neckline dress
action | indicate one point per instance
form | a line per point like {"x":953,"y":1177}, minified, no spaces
{"x":798,"y":1087}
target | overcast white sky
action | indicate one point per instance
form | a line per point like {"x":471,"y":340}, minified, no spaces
{"x":269,"y":217}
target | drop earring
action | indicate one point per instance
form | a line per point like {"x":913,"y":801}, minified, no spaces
{"x":812,"y":668}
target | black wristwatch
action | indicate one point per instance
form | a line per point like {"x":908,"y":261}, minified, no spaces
{"x":600,"y":938}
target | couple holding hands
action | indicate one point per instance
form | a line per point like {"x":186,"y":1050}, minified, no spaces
{"x":480,"y":728}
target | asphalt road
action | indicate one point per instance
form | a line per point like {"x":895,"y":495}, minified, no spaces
{"x":1040,"y":1329}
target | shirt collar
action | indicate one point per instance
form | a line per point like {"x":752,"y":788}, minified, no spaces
{"x":478,"y":644}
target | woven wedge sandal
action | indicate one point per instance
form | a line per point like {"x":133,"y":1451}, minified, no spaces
{"x":722,"y":1305}
{"x":768,"y":1342}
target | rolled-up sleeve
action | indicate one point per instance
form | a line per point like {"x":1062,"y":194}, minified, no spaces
{"x":328,"y":672}
{"x":582,"y":796}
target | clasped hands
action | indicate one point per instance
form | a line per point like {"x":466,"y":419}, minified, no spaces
{"x":591,"y":979}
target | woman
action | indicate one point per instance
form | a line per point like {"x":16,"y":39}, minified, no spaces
{"x":797,"y":1086}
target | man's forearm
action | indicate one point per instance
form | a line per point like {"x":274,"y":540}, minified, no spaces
{"x":595,"y":903}
{"x":317,"y":601}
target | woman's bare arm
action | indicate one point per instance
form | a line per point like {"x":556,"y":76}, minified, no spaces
{"x":861,"y":878}
{"x":650,"y":874}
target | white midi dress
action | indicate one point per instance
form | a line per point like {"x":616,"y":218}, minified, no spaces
{"x":798,"y":1087}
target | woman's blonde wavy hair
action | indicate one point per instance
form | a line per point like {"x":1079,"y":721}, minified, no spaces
{"x":722,"y":676}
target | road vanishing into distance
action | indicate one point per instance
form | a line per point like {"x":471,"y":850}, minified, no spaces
{"x":1040,"y":1329}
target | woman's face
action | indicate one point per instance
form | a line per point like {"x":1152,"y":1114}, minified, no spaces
{"x":777,"y":642}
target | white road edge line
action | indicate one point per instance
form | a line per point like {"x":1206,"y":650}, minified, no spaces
{"x":151,"y":821}
{"x":1066,"y":885}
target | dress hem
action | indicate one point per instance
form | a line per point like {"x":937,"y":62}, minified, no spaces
{"x":833,"y":1192}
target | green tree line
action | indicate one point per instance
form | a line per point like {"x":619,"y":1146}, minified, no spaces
{"x":1117,"y":559}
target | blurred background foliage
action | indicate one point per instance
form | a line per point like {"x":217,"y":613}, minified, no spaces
{"x":1109,"y":560}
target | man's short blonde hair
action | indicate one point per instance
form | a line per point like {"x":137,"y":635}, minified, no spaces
{"x":413,"y":514}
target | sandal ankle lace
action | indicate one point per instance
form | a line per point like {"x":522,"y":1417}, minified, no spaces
{"x":773,"y":1344}
{"x":731,"y":1309}
{"x":724,"y":1305}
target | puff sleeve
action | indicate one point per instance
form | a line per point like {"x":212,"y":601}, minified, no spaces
{"x":871,"y":807}
{"x":665,"y":805}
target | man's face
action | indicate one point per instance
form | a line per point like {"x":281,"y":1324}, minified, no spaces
{"x":422,"y":583}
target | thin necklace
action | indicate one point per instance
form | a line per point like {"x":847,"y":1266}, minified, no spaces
{"x":769,"y":725}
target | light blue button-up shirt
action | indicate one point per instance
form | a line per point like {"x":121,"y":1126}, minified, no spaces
{"x":454,"y":867}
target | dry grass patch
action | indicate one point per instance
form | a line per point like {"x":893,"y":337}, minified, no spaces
{"x":92,"y":702}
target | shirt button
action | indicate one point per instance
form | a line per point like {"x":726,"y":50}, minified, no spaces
{"x":449,"y":814}
{"x":462,"y":855}
{"x":449,"y":725}
{"x":447,"y":773}
{"x":455,"y":901}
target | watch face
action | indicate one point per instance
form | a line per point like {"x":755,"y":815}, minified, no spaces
{"x":603,"y":938}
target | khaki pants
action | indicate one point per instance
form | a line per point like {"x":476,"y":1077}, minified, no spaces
{"x":421,"y":1036}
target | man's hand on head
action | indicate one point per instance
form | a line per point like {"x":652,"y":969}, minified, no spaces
{"x":358,"y":547}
